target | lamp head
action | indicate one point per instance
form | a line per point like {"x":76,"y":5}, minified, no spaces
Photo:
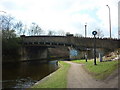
{"x":94,"y":33}
{"x":108,"y":6}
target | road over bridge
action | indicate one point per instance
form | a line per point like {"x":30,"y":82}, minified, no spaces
{"x":70,"y":41}
{"x":36,"y":47}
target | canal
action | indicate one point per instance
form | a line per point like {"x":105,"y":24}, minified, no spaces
{"x":25,"y":74}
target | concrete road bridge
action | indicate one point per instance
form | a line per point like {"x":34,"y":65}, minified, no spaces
{"x":41,"y":45}
{"x":70,"y":41}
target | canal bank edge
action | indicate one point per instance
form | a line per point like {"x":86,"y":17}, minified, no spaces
{"x":47,"y":77}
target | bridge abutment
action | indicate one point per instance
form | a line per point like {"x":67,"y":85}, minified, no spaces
{"x":33,"y":53}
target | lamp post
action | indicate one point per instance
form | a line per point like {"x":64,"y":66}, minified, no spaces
{"x":85,"y":29}
{"x":94,"y":33}
{"x":109,"y":20}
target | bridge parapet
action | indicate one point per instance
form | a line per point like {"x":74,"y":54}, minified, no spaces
{"x":100,"y":42}
{"x":45,"y":39}
{"x":74,"y":41}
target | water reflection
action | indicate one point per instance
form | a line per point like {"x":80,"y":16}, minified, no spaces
{"x":25,"y":74}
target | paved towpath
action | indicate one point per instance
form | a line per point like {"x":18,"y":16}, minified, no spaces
{"x":79,"y":78}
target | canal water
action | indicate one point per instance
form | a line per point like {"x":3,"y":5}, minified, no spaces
{"x":25,"y":74}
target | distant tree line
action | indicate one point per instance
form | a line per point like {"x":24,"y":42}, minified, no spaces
{"x":12,"y":29}
{"x":10,"y":41}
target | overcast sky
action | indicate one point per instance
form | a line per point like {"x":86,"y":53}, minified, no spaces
{"x":67,"y":15}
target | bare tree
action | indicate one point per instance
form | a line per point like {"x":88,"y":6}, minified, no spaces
{"x":38,"y":30}
{"x":7,"y":22}
{"x":8,"y":34}
{"x":19,"y":27}
{"x":61,"y":32}
{"x":7,"y":26}
{"x":51,"y":32}
{"x":99,"y":33}
{"x":78,"y":35}
{"x":67,"y":33}
{"x":24,"y":29}
{"x":35,"y":29}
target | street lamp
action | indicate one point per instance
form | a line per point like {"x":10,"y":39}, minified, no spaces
{"x":94,"y":33}
{"x":85,"y":29}
{"x":109,"y":20}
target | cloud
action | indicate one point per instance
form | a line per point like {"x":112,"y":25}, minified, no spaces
{"x":103,"y":15}
{"x":68,"y":15}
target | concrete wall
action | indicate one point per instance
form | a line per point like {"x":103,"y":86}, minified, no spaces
{"x":58,"y":52}
{"x":33,"y":53}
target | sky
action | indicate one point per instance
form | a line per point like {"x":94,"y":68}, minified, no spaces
{"x":66,"y":15}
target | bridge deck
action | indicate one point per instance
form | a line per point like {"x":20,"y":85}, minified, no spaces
{"x":70,"y":41}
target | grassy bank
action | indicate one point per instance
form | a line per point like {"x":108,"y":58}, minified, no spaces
{"x":101,"y":70}
{"x":57,"y":79}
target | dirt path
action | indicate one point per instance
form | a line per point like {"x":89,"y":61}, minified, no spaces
{"x":79,"y":78}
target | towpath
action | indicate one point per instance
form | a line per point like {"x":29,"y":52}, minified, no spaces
{"x":79,"y":78}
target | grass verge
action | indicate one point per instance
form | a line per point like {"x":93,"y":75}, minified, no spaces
{"x":101,"y":70}
{"x":57,"y":79}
